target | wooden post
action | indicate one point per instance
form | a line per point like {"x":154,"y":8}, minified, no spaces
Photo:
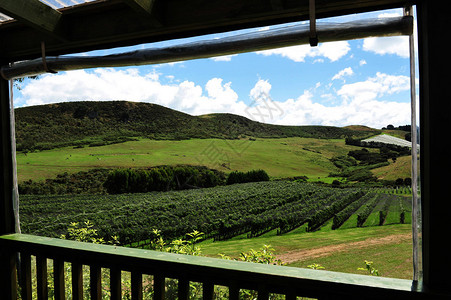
{"x":435,"y":158}
{"x":77,"y":281}
{"x":95,"y":275}
{"x":137,"y":285}
{"x":115,"y":283}
{"x":8,"y":274}
{"x":58,"y":277}
{"x":158,"y":287}
{"x":25,"y":265}
{"x":183,"y":289}
{"x":208,"y":290}
{"x":41,"y":277}
{"x":7,"y":219}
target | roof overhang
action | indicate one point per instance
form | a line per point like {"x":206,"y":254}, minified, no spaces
{"x":115,"y":23}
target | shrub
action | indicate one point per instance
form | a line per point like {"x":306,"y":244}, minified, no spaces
{"x":250,"y":176}
{"x":382,"y":217}
{"x":362,"y":175}
{"x":344,"y":161}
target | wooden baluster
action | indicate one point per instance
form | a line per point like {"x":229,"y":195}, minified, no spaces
{"x":58,"y":279}
{"x":183,"y":289}
{"x":291,"y":295}
{"x":158,"y":287}
{"x":234,"y":292}
{"x":137,"y":285}
{"x":95,"y":280}
{"x":207,"y":290}
{"x":25,"y":274}
{"x":77,"y":281}
{"x":8,"y":275}
{"x":115,"y":284}
{"x":41,"y":275}
{"x":263,"y":293}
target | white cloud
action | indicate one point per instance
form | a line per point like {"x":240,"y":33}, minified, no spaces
{"x":263,"y":108}
{"x":260,"y":89}
{"x":345,"y":72}
{"x":361,"y":103}
{"x":375,"y":87}
{"x":223,"y":58}
{"x":130,"y":85}
{"x":398,"y":45}
{"x":333,"y":51}
{"x":362,"y":62}
{"x":390,"y":14}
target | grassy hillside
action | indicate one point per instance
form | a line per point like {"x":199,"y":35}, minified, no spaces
{"x":107,"y":122}
{"x":284,"y":157}
{"x":401,"y":168}
{"x":78,"y":136}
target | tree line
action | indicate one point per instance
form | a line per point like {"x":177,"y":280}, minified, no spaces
{"x":137,"y":180}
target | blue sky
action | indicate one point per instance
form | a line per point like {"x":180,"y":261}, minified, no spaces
{"x":363,"y":82}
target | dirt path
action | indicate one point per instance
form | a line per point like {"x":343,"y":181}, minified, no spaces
{"x":300,"y":255}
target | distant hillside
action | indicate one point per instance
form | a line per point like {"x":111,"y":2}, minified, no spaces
{"x":92,"y":123}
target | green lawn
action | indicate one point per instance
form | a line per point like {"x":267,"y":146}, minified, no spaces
{"x":343,"y":250}
{"x":279,"y":157}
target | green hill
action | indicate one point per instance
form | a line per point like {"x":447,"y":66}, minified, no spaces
{"x":89,"y":123}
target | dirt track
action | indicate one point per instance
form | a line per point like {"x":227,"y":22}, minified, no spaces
{"x":300,"y":255}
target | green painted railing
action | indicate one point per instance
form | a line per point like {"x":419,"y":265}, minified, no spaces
{"x":211,"y":272}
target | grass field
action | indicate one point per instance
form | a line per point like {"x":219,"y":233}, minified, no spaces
{"x":343,"y":250}
{"x":283,"y":157}
{"x":401,"y":168}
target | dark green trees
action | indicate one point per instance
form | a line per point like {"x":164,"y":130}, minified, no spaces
{"x":163,"y":178}
{"x":250,"y":176}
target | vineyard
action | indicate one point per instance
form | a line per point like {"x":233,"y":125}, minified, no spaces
{"x":222,"y":212}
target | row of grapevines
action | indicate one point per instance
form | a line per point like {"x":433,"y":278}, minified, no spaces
{"x":221,"y":212}
{"x":367,"y":209}
{"x":327,"y":212}
{"x":349,"y":210}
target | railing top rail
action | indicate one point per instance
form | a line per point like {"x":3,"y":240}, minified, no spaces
{"x":198,"y":268}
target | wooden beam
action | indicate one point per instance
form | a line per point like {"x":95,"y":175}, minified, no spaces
{"x":254,"y":41}
{"x":146,"y":8}
{"x":35,"y":14}
{"x":107,"y":24}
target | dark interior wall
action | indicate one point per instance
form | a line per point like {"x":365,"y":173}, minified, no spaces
{"x":435,"y":156}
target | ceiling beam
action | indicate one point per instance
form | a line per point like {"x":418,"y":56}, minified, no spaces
{"x":34,"y":14}
{"x":147,"y":8}
{"x":113,"y":23}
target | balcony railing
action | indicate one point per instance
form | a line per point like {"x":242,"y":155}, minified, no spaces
{"x":210,"y":272}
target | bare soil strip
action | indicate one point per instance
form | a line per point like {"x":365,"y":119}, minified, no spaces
{"x":300,"y":255}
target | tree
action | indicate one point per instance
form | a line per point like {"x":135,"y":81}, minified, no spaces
{"x":399,"y":181}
